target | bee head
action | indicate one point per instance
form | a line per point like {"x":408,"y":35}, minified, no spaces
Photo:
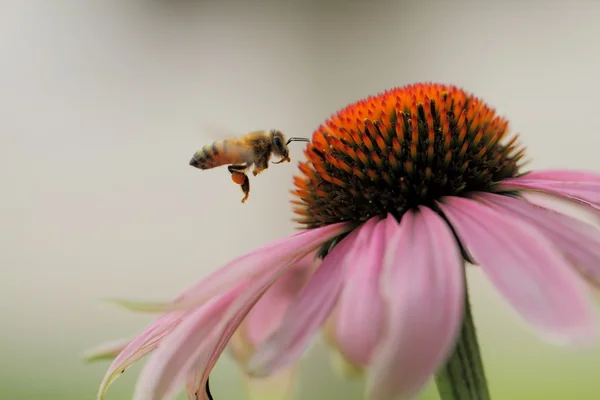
{"x":279,"y":145}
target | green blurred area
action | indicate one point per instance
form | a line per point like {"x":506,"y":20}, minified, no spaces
{"x":519,"y":367}
{"x":518,"y":372}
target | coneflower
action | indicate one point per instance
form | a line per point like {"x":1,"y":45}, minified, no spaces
{"x":399,"y":190}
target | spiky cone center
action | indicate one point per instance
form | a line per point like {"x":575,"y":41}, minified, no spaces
{"x":399,"y":149}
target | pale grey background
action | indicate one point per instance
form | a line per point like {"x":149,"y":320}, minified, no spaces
{"x":102,"y":103}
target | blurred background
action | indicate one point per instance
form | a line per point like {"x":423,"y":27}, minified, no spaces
{"x":103,"y":103}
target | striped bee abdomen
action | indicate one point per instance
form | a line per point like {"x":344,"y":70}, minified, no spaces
{"x":218,"y":153}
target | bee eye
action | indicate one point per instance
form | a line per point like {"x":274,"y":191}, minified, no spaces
{"x":277,"y":141}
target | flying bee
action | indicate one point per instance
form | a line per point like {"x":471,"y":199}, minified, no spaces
{"x":239,"y":154}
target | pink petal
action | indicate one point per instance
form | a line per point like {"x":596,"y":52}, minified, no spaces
{"x":266,"y":316}
{"x":579,"y":241}
{"x":306,"y":314}
{"x":106,"y":351}
{"x":360,"y":310}
{"x":339,"y":361}
{"x":562,"y":175}
{"x":195,"y":346}
{"x":174,"y":357}
{"x":239,"y":270}
{"x":526,"y":268}
{"x":137,"y":348}
{"x":243,"y":306}
{"x":193,"y":380}
{"x":262,"y":320}
{"x":579,"y":186}
{"x":423,"y":285}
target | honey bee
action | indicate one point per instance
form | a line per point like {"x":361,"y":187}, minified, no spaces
{"x":239,"y":154}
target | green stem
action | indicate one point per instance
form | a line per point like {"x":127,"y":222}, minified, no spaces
{"x":463,"y":377}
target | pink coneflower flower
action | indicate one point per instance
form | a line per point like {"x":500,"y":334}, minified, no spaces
{"x":398,"y":191}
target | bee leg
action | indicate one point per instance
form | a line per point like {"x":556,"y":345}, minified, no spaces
{"x":238,"y":176}
{"x":237,"y":168}
{"x":242,"y":179}
{"x":260,"y":165}
{"x":246,"y":188}
{"x":282,"y":160}
{"x":257,"y":170}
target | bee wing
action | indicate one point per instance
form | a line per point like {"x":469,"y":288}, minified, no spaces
{"x":236,"y":147}
{"x":224,"y":147}
{"x":218,"y":132}
{"x":214,"y":132}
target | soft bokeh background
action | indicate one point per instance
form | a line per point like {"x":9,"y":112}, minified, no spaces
{"x":102,"y":103}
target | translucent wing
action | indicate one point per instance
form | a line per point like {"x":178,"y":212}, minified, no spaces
{"x":212,"y":132}
{"x":218,"y":132}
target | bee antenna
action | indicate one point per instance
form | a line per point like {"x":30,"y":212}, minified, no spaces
{"x":297,"y":139}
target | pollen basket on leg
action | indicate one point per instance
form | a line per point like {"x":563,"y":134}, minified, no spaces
{"x":400,"y":149}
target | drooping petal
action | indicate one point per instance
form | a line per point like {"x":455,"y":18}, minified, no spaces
{"x":137,"y":348}
{"x":267,"y":314}
{"x":360,"y":309}
{"x":192,"y":386}
{"x":305,"y":315}
{"x":578,"y":240}
{"x":242,"y":268}
{"x":106,"y":351}
{"x":423,"y":285}
{"x":262,"y":320}
{"x":579,"y":186}
{"x":194,"y":347}
{"x":239,"y":310}
{"x":526,"y":268}
{"x":562,"y":175}
{"x":157,"y":380}
{"x":339,"y":362}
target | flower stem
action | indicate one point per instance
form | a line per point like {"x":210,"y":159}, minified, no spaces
{"x":463,"y":376}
